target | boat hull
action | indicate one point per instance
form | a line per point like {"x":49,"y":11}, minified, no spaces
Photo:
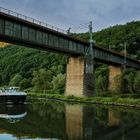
{"x":14,"y":99}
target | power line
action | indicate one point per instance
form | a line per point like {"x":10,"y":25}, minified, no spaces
{"x":81,"y":26}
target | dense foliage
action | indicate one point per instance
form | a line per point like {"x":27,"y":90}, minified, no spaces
{"x":26,"y":67}
{"x":45,"y":71}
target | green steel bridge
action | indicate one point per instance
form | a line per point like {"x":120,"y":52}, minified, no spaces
{"x":80,"y":80}
{"x":21,"y":30}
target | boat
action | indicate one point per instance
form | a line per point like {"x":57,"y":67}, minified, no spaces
{"x":12,"y":95}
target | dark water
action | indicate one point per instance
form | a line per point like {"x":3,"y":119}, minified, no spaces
{"x":53,"y":120}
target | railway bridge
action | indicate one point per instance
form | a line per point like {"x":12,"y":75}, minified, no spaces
{"x":21,"y":30}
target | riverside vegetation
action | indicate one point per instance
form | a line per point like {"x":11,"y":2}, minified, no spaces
{"x":44,"y":72}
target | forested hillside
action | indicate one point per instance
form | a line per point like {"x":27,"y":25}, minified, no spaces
{"x":41,"y":71}
{"x":18,"y":66}
{"x":115,"y":37}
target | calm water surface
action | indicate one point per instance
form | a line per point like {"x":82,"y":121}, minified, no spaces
{"x":53,"y":120}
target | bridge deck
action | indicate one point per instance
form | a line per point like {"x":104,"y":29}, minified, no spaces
{"x":17,"y":30}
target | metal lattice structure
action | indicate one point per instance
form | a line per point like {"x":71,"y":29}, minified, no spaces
{"x":18,"y":29}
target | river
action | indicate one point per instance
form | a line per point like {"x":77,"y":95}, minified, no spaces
{"x":55,"y":120}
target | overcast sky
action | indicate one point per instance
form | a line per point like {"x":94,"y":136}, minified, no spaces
{"x":72,"y":13}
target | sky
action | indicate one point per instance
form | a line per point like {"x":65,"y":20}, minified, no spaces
{"x":77,"y":13}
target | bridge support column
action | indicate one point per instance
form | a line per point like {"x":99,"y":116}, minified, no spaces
{"x":114,"y":84}
{"x":79,"y":82}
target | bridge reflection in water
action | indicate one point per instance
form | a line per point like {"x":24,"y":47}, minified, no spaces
{"x":58,"y":120}
{"x":88,"y":123}
{"x":79,"y":122}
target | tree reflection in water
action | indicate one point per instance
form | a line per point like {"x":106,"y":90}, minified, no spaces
{"x":52,"y":119}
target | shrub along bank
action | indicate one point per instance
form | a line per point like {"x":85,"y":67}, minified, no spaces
{"x":116,"y":100}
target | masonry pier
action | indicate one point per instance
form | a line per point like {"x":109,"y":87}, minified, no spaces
{"x":79,"y":78}
{"x":114,"y":79}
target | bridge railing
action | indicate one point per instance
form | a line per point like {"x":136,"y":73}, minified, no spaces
{"x":26,"y":18}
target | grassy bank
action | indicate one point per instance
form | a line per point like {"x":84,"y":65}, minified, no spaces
{"x":127,"y":101}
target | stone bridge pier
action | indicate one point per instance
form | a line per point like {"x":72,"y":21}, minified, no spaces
{"x":79,"y":77}
{"x":114,"y":83}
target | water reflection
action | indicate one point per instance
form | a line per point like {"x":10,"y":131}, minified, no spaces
{"x":79,"y":122}
{"x":84,"y":122}
{"x":57,"y":120}
{"x":99,"y":123}
{"x":12,"y":113}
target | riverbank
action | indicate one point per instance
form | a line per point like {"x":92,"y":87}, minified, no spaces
{"x":116,"y":101}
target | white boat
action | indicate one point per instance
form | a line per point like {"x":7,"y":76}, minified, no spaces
{"x":12,"y":95}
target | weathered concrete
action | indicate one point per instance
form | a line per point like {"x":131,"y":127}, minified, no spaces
{"x":78,"y":82}
{"x":114,"y":84}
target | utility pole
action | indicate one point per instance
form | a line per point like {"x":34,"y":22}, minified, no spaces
{"x":89,"y":53}
{"x":68,"y":31}
{"x":91,"y":39}
{"x":91,"y":56}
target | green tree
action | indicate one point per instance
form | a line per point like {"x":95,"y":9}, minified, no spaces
{"x":41,"y":79}
{"x":58,"y":83}
{"x":101,"y":78}
{"x":15,"y":81}
{"x":0,"y":79}
{"x":137,"y":83}
{"x":25,"y":83}
{"x":101,"y":83}
{"x":128,"y":77}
